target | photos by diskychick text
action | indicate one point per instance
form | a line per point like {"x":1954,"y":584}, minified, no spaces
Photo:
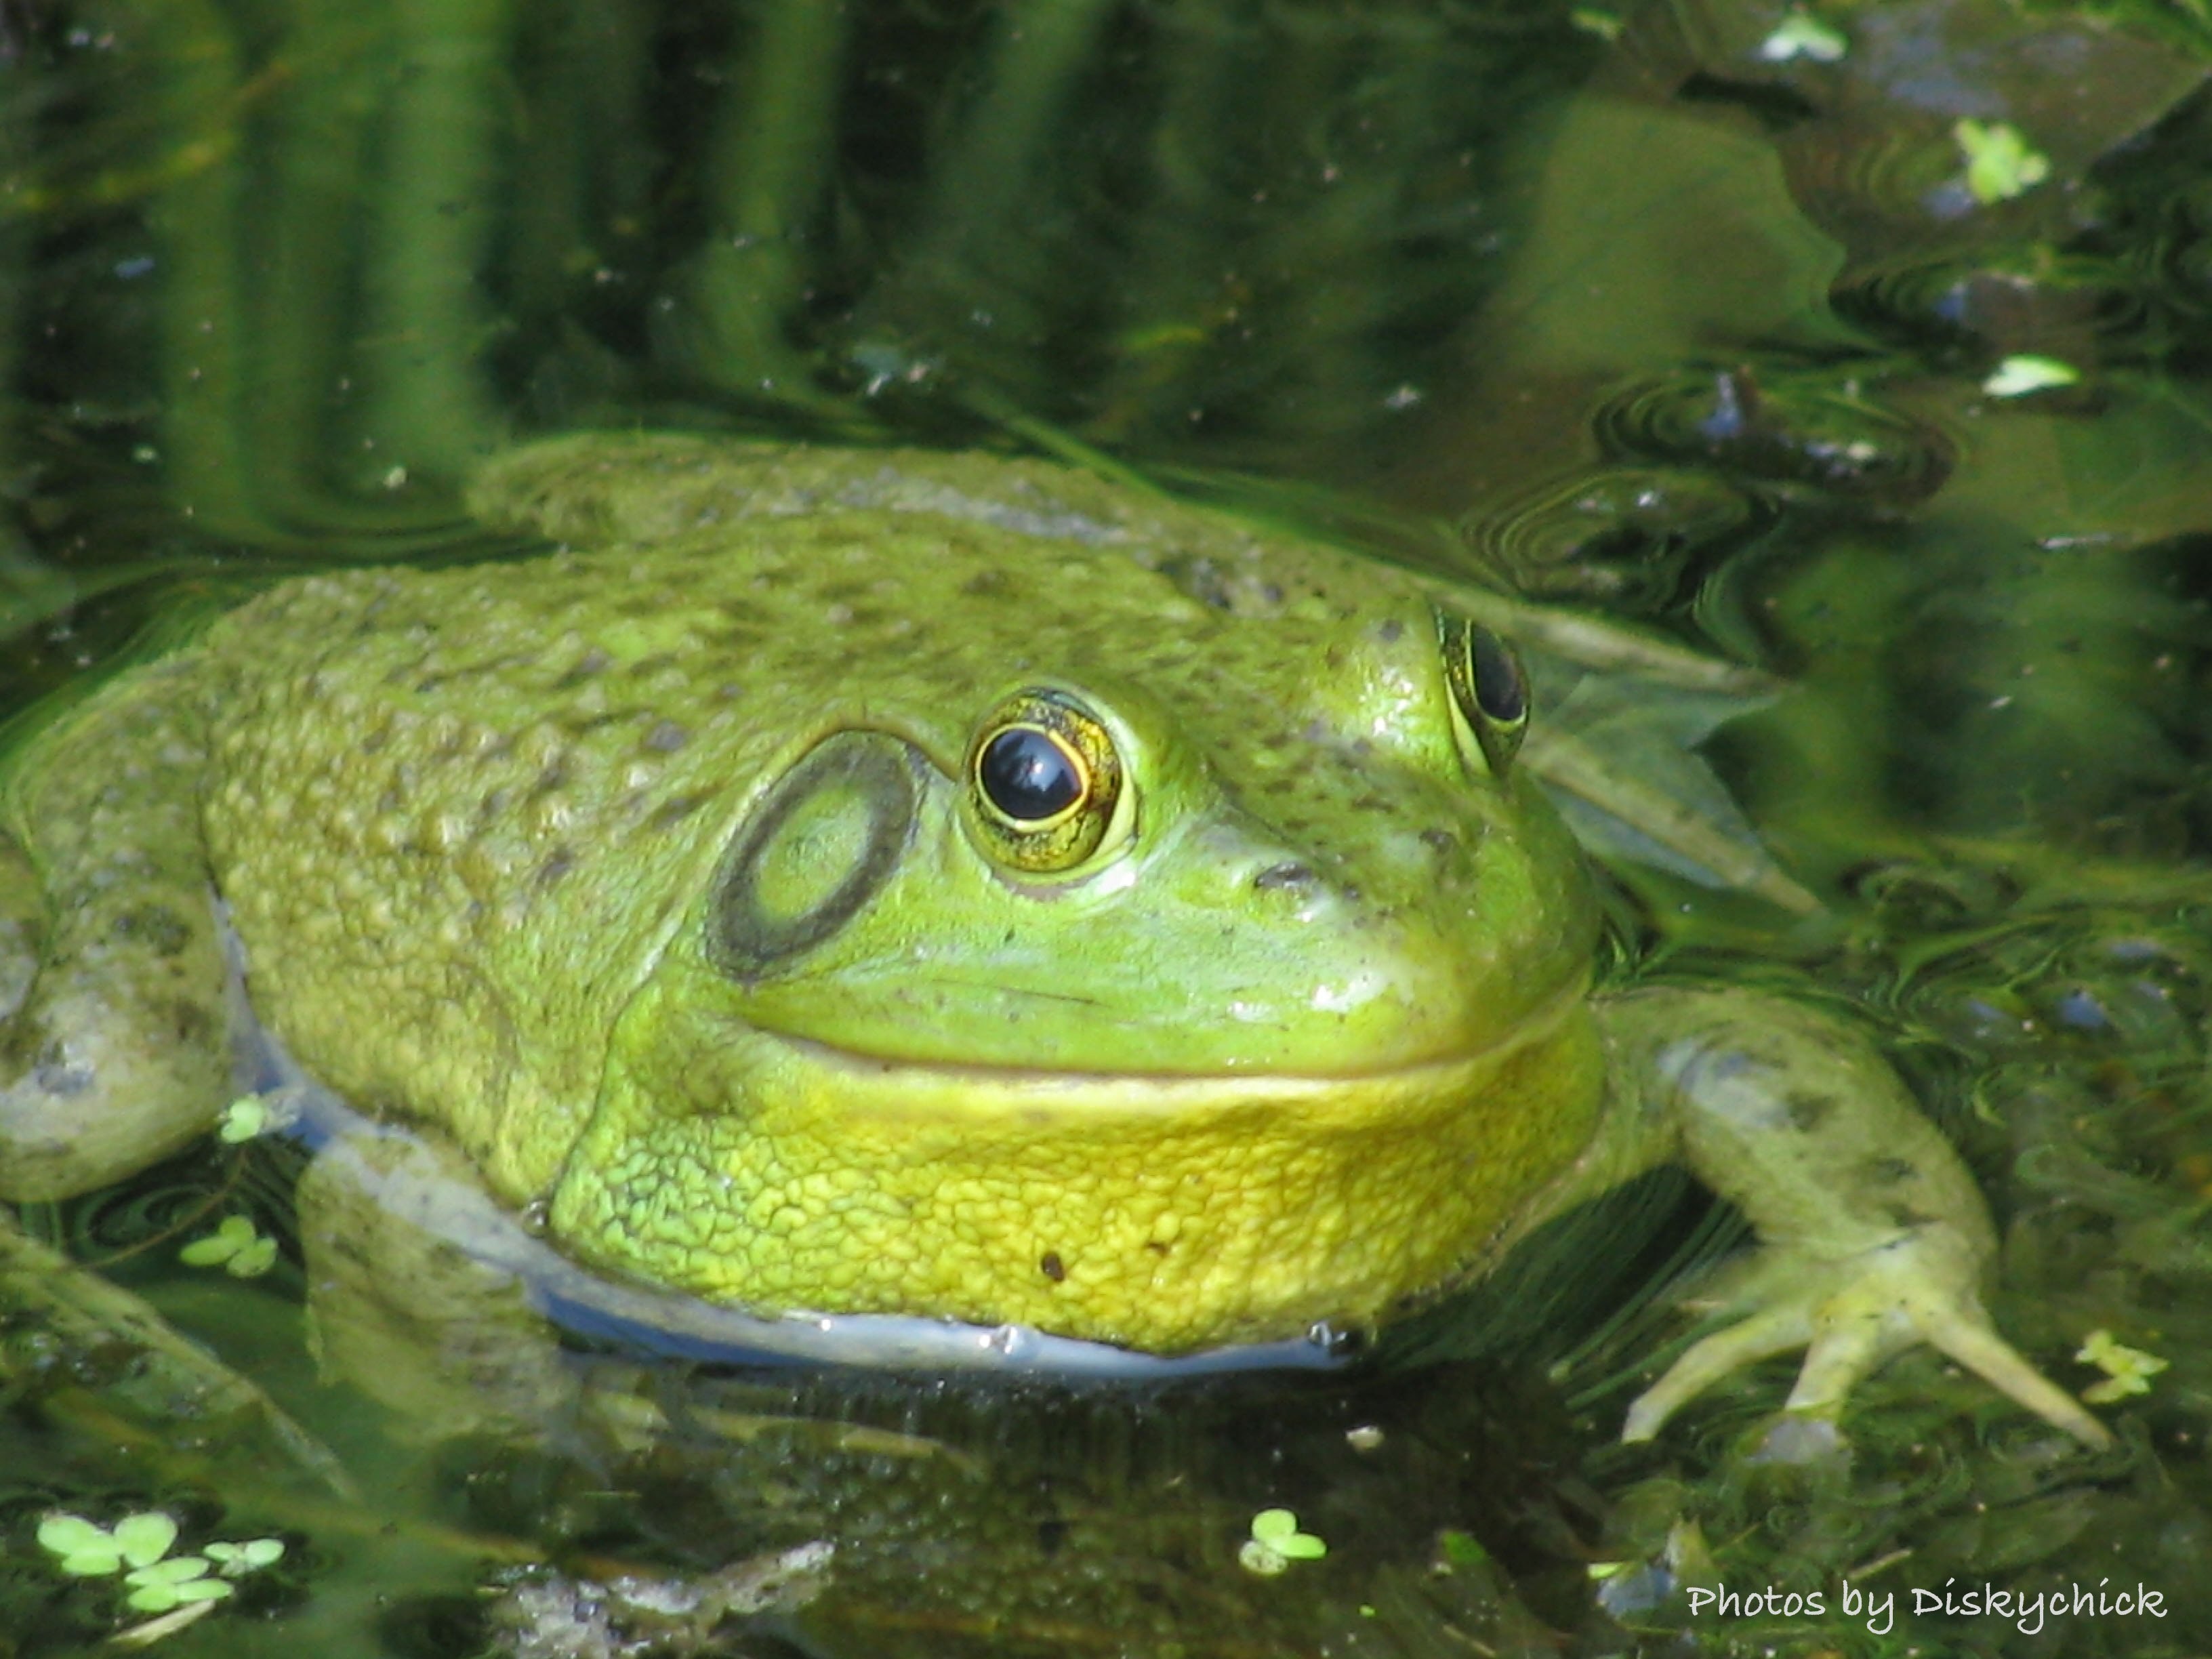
{"x":1878,"y":1608}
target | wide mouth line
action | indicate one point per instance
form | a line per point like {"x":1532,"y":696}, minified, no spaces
{"x":1538,"y":1022}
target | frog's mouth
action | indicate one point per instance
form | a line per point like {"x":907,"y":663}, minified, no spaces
{"x":1163,"y":1213}
{"x":982,"y":1087}
{"x":881,"y":1085}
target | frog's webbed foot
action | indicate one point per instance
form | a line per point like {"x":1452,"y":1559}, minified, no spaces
{"x":114,"y":1011}
{"x":1874,"y":1238}
{"x":1850,"y":1316}
{"x":92,"y":1087}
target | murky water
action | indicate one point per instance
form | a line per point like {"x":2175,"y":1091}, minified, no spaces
{"x":1866,"y":348}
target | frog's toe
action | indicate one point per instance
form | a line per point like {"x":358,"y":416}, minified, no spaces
{"x":1974,"y":1344}
{"x":1771,"y":1331}
{"x":1852,"y":1315}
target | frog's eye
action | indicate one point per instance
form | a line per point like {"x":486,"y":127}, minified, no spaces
{"x":1490,"y":692}
{"x":1044,"y":784}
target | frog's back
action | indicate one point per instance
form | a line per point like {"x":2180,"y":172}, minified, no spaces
{"x":429,"y":790}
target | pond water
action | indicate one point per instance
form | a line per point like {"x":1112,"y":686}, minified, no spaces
{"x":1864,"y":346}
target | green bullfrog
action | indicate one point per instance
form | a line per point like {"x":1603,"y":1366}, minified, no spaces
{"x":897,"y":883}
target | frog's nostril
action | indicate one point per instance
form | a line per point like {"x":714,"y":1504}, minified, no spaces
{"x":1293,"y":875}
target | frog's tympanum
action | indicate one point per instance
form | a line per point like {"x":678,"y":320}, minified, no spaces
{"x":899,"y":884}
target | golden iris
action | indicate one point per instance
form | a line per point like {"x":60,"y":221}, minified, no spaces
{"x":1043,"y":782}
{"x":1490,"y":692}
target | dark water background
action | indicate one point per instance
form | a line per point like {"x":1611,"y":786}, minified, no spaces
{"x":1619,"y":307}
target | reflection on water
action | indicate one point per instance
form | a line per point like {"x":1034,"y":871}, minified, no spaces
{"x":1668,"y":313}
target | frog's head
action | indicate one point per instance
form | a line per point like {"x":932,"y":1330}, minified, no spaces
{"x":1163,"y":953}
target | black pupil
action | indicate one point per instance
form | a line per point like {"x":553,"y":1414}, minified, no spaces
{"x":1027,"y":775}
{"x":1496,"y":678}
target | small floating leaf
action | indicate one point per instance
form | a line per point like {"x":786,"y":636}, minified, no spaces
{"x":1276,"y":1542}
{"x":1262,"y":1558}
{"x":86,"y":1551}
{"x":243,"y":1118}
{"x":1803,"y":35}
{"x":145,"y":1539}
{"x":236,"y":1233}
{"x":1461,"y":1549}
{"x":256,"y":1258}
{"x":179,"y":1580}
{"x":2000,"y":163}
{"x":2015,"y":377}
{"x":2127,"y":1370}
{"x":160,"y":1597}
{"x":236,"y":1245}
{"x":174,"y":1570}
{"x":1270,"y":1524}
{"x":72,"y":1534}
{"x":238,"y":1560}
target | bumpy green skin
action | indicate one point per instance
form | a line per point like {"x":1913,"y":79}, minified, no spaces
{"x":1307,"y":1040}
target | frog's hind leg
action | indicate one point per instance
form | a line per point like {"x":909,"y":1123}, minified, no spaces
{"x":115,"y":1051}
